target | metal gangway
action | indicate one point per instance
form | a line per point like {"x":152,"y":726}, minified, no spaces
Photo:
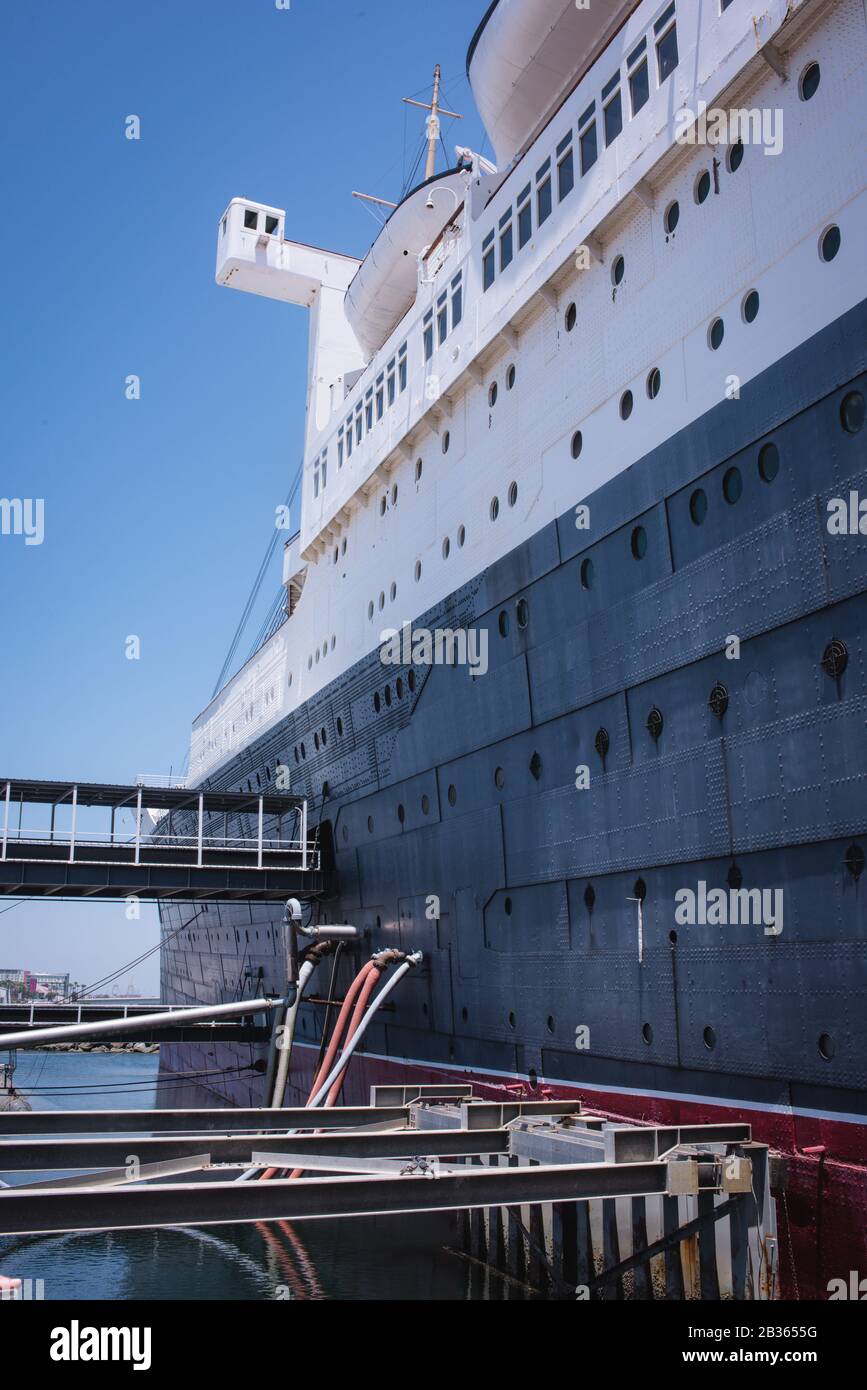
{"x":185,"y":843}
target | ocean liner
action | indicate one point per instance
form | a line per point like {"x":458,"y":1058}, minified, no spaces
{"x":571,"y":666}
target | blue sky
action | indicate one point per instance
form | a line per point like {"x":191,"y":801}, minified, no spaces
{"x":157,"y":511}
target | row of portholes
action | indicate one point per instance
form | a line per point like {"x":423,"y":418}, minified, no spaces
{"x":383,"y":501}
{"x":339,"y":550}
{"x":637,"y":545}
{"x":493,"y":389}
{"x":320,"y":740}
{"x":522,"y":617}
{"x":824,"y":1043}
{"x":392,"y":595}
{"x":323,"y":653}
{"x":400,"y":690}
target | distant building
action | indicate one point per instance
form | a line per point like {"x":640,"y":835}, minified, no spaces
{"x":17,"y":982}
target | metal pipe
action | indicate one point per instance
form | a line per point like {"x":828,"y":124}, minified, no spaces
{"x":362,"y":1028}
{"x":37,"y":1037}
{"x":285,"y":1045}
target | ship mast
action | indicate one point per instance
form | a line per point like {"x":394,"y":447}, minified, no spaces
{"x":433,"y":122}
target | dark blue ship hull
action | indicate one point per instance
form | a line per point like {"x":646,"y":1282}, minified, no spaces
{"x":557,"y":904}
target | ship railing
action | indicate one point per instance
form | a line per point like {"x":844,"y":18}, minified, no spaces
{"x":258,"y":851}
{"x":159,"y":779}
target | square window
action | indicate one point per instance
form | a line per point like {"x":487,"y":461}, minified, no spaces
{"x":401,"y":371}
{"x":666,"y":44}
{"x":457,"y":306}
{"x":442,"y":324}
{"x":589,"y":152}
{"x":271,"y":224}
{"x":251,"y":219}
{"x":428,"y":335}
{"x":565,"y":175}
{"x":613,"y":116}
{"x":380,"y":403}
{"x":488,"y":269}
{"x":543,"y":201}
{"x":390,"y":387}
{"x":525,"y":224}
{"x":506,"y":247}
{"x":639,"y":87}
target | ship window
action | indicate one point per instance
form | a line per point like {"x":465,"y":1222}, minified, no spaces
{"x":602,"y":742}
{"x":830,"y":243}
{"x":503,"y":623}
{"x":462,"y":535}
{"x":702,"y":187}
{"x":340,"y":448}
{"x":442,"y":318}
{"x":499,"y":779}
{"x":715,"y":334}
{"x":587,"y":138}
{"x":665,"y":30}
{"x":506,"y":244}
{"x":447,"y":545}
{"x":447,"y":439}
{"x":401,"y":368}
{"x":618,"y":270}
{"x":565,"y":167}
{"x":513,"y":494}
{"x":577,"y":444}
{"x":638,"y":543}
{"x":359,"y":425}
{"x":417,"y":571}
{"x":672,"y":217}
{"x":698,"y":506}
{"x":390,"y":383}
{"x":368,"y":410}
{"x":536,"y":767}
{"x":428,"y":335}
{"x":735,"y":157}
{"x":251,"y":219}
{"x":626,"y":403}
{"x":380,"y":397}
{"x":612,"y":110}
{"x":769,"y":462}
{"x":419,"y":466}
{"x":709,"y":1037}
{"x":488,"y":265}
{"x":510,"y":377}
{"x":522,"y":613}
{"x":543,"y":193}
{"x":852,"y":412}
{"x":452,"y":795}
{"x":525,"y":217}
{"x":349,"y":436}
{"x":571,"y":317}
{"x":809,"y":84}
{"x":457,"y":301}
{"x":271,"y":225}
{"x":654,"y":382}
{"x":750,"y":306}
{"x":492,"y":394}
{"x":639,"y":84}
{"x":587,"y":573}
{"x":495,"y":508}
{"x":733,"y":485}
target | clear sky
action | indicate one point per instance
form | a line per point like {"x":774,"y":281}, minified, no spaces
{"x":157,"y":511}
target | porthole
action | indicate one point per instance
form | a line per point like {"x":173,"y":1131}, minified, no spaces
{"x":392,"y":593}
{"x":316,"y":742}
{"x":733,"y":485}
{"x":289,"y":682}
{"x":317,"y":656}
{"x":835,"y":659}
{"x":394,"y":495}
{"x":855,"y":861}
{"x":602,"y":742}
{"x":398,"y":686}
{"x":589,"y":897}
{"x":654,"y":383}
{"x":829,"y":243}
{"x":410,"y":680}
{"x":417,"y":571}
{"x":655,"y":723}
{"x":577,"y":444}
{"x":734,"y":877}
{"x":377,"y":704}
{"x":336,"y":554}
{"x":626,"y":405}
{"x":536,"y":766}
{"x":333,"y":641}
{"x":503,"y":623}
{"x":618,"y":270}
{"x":464,"y":1016}
{"x":507,"y":906}
{"x":513,"y":494}
{"x":343,"y":546}
{"x":388,"y":696}
{"x":462,"y":535}
{"x":511,"y":374}
{"x":698,"y":506}
{"x":452,"y":794}
{"x":672,"y":217}
{"x":381,"y":601}
{"x":425,"y":804}
{"x":852,"y":412}
{"x":715,"y":335}
{"x":735,"y":157}
{"x":750,"y":307}
{"x":370,"y":609}
{"x":418,"y":470}
{"x":370,"y":825}
{"x":499,"y":779}
{"x":587,"y":573}
{"x":672,"y":936}
{"x":638,"y":543}
{"x":295,"y":751}
{"x":571,"y":317}
{"x":339,"y":727}
{"x":718,"y":700}
{"x":492,"y":394}
{"x":701,"y":189}
{"x":769,"y":462}
{"x":447,"y":439}
{"x":808,"y":85}
{"x":709,"y":1038}
{"x":326,"y":791}
{"x":826,"y":1047}
{"x":383,"y":503}
{"x":495,"y":508}
{"x":550,"y":1024}
{"x":401,"y":814}
{"x":522,"y":613}
{"x":647,"y":1033}
{"x":639,"y":890}
{"x":310,"y":663}
{"x":511,"y":1019}
{"x":447,"y":545}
